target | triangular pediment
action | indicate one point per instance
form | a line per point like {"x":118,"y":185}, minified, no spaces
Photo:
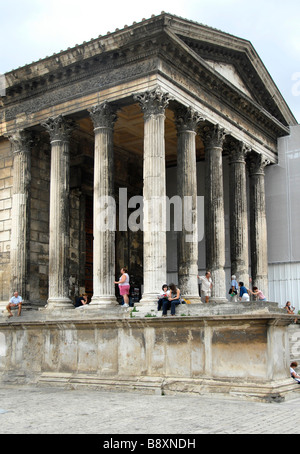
{"x":229,"y":72}
{"x":243,"y":69}
{"x":236,"y":60}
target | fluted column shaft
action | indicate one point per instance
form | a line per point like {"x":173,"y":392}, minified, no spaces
{"x":59,"y":130}
{"x":20,"y":221}
{"x":213,"y":137}
{"x":258,"y":222}
{"x":104,"y":118}
{"x":187,"y":245}
{"x":239,"y":212}
{"x":153,"y":105}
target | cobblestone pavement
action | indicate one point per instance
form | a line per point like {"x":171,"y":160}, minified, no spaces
{"x":32,"y":410}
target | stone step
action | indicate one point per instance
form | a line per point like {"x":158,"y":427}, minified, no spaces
{"x":212,"y":308}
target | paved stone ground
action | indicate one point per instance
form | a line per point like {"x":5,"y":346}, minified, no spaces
{"x":32,"y":410}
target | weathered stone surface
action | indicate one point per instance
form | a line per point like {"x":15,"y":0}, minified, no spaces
{"x":213,"y":353}
{"x":104,"y":118}
{"x":213,"y":137}
{"x":59,"y":130}
{"x":162,"y":55}
{"x":239,"y":212}
{"x":187,"y":121}
{"x":153,"y":104}
{"x":21,"y":142}
{"x":258,"y":221}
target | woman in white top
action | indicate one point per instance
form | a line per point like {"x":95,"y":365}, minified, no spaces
{"x":124,"y":286}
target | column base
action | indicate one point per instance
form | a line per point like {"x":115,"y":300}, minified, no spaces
{"x":218,"y":299}
{"x":3,"y":305}
{"x":103,"y":301}
{"x":59,"y":303}
{"x":149,"y":300}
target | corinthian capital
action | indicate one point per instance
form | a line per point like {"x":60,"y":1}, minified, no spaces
{"x":257,"y":163}
{"x":59,"y":128}
{"x":213,"y":136}
{"x":153,"y":102}
{"x":238,"y":151}
{"x":21,"y":141}
{"x":103,"y":115}
{"x":187,"y":119}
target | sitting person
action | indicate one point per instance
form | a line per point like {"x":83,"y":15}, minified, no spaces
{"x":290,"y":310}
{"x":164,"y":294}
{"x":294,"y":374}
{"x":172,"y":301}
{"x":244,"y":295}
{"x":81,"y":300}
{"x":14,"y":303}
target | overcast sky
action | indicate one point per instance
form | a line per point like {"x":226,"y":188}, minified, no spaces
{"x":34,"y":29}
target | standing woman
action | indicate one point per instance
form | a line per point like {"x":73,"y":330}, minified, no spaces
{"x":124,"y":286}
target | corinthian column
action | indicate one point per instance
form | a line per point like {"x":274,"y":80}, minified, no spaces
{"x":59,"y":130}
{"x":258,"y":222}
{"x":153,"y":104}
{"x":20,"y":199}
{"x":104,"y":118}
{"x":187,"y":121}
{"x":213,"y":138}
{"x":238,"y":212}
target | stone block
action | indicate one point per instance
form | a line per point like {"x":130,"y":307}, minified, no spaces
{"x":243,"y":354}
{"x":5,"y":236}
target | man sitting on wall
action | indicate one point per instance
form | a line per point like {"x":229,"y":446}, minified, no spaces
{"x":15,"y":302}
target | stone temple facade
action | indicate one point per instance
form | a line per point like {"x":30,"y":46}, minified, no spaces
{"x":112,"y":119}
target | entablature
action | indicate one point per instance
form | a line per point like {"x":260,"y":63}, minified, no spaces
{"x":161,"y":51}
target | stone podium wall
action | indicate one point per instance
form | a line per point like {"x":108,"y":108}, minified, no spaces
{"x":229,"y":354}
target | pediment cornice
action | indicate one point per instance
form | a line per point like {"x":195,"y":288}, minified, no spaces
{"x":240,"y":61}
{"x":184,"y":44}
